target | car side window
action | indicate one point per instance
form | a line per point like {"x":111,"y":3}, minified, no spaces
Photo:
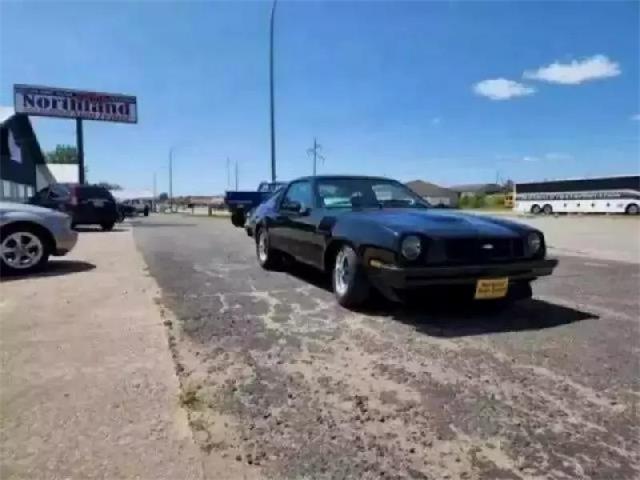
{"x":298,"y":192}
{"x":57,"y":192}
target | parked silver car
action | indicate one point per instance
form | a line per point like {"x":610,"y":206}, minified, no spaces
{"x":30,"y":234}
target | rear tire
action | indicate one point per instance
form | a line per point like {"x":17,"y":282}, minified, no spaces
{"x":547,"y":209}
{"x":268,"y":258}
{"x":350,"y":283}
{"x":31,"y":256}
{"x":632,"y":209}
{"x":535,"y":209}
{"x":107,"y":227}
{"x":238,"y":218}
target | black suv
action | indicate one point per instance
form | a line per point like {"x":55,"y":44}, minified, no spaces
{"x":86,"y":204}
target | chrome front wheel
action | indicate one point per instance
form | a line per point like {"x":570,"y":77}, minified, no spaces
{"x":22,"y":251}
{"x":350,"y":283}
{"x":263,"y":253}
{"x":343,"y":272}
{"x":267,"y":257}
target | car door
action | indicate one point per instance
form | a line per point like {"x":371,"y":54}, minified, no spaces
{"x":287,"y":229}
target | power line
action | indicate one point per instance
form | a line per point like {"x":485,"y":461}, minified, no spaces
{"x":237,"y":181}
{"x":314,"y":152}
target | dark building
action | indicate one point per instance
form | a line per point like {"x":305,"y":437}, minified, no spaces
{"x":20,"y":155}
{"x":434,"y":194}
{"x":478,"y":189}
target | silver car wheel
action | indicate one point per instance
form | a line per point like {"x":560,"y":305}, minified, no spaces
{"x":343,"y":272}
{"x":263,"y":252}
{"x":21,"y":250}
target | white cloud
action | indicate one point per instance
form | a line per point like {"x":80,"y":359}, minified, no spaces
{"x":575,"y":72}
{"x":552,"y":156}
{"x":502,"y":89}
{"x":636,"y":117}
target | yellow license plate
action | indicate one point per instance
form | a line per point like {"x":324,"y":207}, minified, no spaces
{"x":489,"y":288}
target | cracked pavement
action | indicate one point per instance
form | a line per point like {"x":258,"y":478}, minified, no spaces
{"x":281,"y":382}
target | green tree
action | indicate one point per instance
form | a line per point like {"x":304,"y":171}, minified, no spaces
{"x":479,"y":200}
{"x":163,"y":197}
{"x":62,"y":154}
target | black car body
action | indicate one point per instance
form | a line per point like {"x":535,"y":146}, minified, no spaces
{"x":259,"y":212}
{"x":85,"y":204}
{"x":376,"y":232}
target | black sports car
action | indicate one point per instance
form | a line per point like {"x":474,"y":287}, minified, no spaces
{"x":375,"y":232}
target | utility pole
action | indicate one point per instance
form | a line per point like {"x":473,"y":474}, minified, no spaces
{"x":236,"y":175}
{"x":273,"y":119}
{"x":228,"y":173}
{"x":155,"y":195}
{"x":171,"y":179}
{"x":314,"y":152}
{"x":80,"y":151}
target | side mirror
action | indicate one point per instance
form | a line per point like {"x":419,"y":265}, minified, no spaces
{"x":296,"y":207}
{"x":304,"y":211}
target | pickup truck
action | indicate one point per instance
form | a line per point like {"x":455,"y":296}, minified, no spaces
{"x":240,"y":204}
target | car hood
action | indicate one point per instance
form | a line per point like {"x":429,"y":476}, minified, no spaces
{"x":436,"y":223}
{"x":27,"y":208}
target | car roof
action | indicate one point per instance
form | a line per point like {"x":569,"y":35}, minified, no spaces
{"x":346,"y":177}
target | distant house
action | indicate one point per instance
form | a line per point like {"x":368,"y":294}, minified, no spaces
{"x":477,"y":189}
{"x":23,"y":168}
{"x":434,"y":194}
{"x":20,"y":157}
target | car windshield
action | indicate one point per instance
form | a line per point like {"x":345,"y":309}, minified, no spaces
{"x":366,"y":193}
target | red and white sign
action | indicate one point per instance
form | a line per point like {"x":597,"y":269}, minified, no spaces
{"x":66,"y":103}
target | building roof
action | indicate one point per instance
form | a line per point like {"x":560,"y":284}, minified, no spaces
{"x":477,"y":188}
{"x":427,"y":189}
{"x":20,"y":125}
{"x":132,"y":194}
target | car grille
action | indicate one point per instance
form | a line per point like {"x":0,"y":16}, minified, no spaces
{"x":477,"y":250}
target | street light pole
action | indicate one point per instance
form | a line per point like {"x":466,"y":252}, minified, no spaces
{"x":273,"y":121}
{"x":171,"y":179}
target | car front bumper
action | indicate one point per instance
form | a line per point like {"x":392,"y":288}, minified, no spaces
{"x":66,"y":239}
{"x":391,"y":277}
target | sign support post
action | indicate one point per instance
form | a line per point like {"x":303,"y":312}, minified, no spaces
{"x":75,"y":104}
{"x":80,"y":151}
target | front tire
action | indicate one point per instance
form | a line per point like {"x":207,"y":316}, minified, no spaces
{"x":267,"y":257}
{"x":632,"y":209}
{"x":23,"y":250}
{"x":350,"y":284}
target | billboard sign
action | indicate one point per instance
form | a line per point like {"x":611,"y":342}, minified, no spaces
{"x":66,"y":103}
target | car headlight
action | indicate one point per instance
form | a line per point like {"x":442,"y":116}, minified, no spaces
{"x":411,"y":247}
{"x":534,"y":242}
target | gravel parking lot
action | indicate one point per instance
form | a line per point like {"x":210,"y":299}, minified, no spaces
{"x":280,"y":382}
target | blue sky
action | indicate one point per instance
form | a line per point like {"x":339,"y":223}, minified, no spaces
{"x":450,"y":92}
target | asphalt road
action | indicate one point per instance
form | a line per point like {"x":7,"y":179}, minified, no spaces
{"x":280,"y":382}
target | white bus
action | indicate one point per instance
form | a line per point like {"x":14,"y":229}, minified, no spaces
{"x":588,"y":195}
